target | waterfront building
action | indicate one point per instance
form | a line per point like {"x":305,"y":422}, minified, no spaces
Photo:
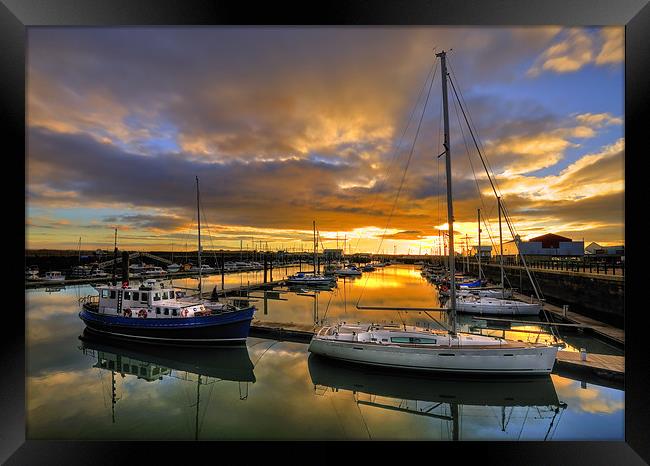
{"x":547,"y":246}
{"x":486,"y":251}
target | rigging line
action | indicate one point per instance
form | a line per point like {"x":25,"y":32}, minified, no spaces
{"x":433,"y":68}
{"x":327,"y":307}
{"x":473,"y":126}
{"x":508,"y":223}
{"x":408,"y":162}
{"x":474,"y":173}
{"x":258,"y":359}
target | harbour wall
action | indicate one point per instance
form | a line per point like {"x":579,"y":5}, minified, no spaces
{"x":600,"y":297}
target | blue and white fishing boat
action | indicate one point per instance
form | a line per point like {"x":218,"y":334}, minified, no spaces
{"x":164,"y":315}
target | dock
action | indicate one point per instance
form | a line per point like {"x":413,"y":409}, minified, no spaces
{"x":605,"y":331}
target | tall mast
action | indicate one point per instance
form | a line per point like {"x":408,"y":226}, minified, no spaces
{"x":500,"y":245}
{"x":450,"y":206}
{"x":115,"y":258}
{"x":80,"y":250}
{"x":314,"y":247}
{"x":198,"y":215}
{"x":479,"y":244}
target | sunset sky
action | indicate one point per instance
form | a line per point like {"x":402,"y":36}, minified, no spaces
{"x":288,"y":125}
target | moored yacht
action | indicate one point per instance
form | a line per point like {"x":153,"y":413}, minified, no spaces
{"x":430,"y":350}
{"x":305,"y":278}
{"x":350,"y":270}
{"x":54,"y":276}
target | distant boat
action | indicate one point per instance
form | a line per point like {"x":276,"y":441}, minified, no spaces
{"x":173,"y":268}
{"x":350,"y":270}
{"x":471,"y":304}
{"x":368,"y":268}
{"x":305,"y":278}
{"x":31,"y":273}
{"x":54,"y":276}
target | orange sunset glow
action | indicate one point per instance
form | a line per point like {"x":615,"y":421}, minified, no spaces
{"x":286,"y":126}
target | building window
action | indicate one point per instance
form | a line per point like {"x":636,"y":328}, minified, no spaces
{"x":136,"y":296}
{"x":166,"y":311}
{"x":127,"y":295}
{"x":156,"y":297}
{"x":112,"y":294}
{"x":157,"y":310}
{"x":174,"y":312}
{"x":144,"y":297}
{"x":171,"y":295}
{"x":165,"y":295}
{"x":104,"y":293}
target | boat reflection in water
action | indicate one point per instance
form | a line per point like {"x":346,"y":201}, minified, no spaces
{"x":152,"y":363}
{"x":437,"y":397}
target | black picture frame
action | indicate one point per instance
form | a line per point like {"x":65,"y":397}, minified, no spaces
{"x":17,"y":15}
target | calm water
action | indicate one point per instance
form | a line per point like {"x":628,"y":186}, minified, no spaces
{"x":98,"y":389}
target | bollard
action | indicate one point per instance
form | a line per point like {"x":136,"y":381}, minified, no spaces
{"x":583,"y":354}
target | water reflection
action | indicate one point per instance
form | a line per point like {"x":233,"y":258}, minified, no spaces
{"x":439,"y":397}
{"x":70,"y":391}
{"x":204,"y":367}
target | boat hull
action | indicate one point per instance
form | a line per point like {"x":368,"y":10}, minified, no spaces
{"x":520,"y":309}
{"x":227,"y":328}
{"x":529,"y":360}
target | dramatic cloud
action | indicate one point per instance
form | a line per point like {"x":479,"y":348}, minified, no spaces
{"x":580,"y":47}
{"x":284,"y":126}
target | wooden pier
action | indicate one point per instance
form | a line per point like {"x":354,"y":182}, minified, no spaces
{"x":605,"y":331}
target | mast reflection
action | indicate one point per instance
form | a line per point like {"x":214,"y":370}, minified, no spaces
{"x":439,"y":397}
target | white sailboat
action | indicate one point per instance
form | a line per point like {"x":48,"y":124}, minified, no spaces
{"x":311,"y":279}
{"x":429,"y":350}
{"x":493,"y":302}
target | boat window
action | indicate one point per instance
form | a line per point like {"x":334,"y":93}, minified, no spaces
{"x":171,"y":295}
{"x":400,"y":340}
{"x":112,"y":294}
{"x":144,"y":297}
{"x":165,"y":295}
{"x":174,"y":312}
{"x":127,"y":295}
{"x":126,"y":367}
{"x":155,"y":371}
{"x":136,"y":296}
{"x":143,"y":370}
{"x":134,"y":370}
{"x":384,"y":339}
{"x":157,"y":310}
{"x":166,"y":311}
{"x":424,"y":341}
{"x":104,"y":293}
{"x":156,"y":297}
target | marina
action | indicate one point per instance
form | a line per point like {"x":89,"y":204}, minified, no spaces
{"x":266,"y":285}
{"x":282,"y":377}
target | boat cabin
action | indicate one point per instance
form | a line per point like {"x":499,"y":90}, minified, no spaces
{"x":147,"y":302}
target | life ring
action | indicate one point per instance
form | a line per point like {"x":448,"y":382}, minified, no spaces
{"x":185,"y":312}
{"x":142,"y":313}
{"x":127,"y":312}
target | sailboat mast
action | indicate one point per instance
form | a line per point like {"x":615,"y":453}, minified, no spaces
{"x":198,"y":215}
{"x":479,"y":244}
{"x":500,"y":244}
{"x":314,"y":247}
{"x":450,"y":206}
